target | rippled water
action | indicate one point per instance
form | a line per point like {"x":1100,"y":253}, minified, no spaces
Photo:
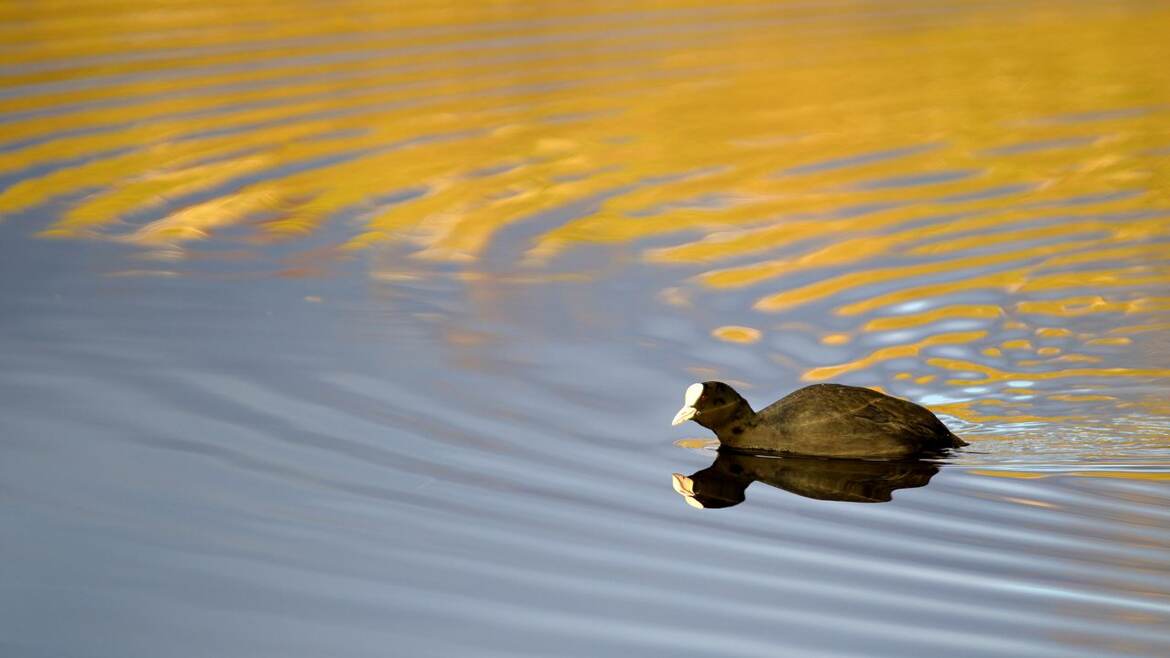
{"x":356,"y":329}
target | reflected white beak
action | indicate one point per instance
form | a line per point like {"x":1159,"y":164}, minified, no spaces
{"x":683,"y":415}
{"x":682,"y":484}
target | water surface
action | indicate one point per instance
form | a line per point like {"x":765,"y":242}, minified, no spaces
{"x":356,"y":330}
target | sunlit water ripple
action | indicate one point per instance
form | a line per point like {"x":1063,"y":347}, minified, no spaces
{"x":356,"y":330}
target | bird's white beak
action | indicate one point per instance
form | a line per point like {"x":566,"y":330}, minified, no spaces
{"x":683,"y":415}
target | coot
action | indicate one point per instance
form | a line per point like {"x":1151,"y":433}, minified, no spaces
{"x":827,"y":420}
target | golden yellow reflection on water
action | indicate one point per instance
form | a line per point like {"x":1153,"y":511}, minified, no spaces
{"x":894,"y":168}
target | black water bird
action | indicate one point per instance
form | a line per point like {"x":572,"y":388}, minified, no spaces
{"x":724,"y":483}
{"x":826,"y":420}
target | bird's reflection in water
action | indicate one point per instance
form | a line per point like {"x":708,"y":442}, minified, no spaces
{"x":723,"y":483}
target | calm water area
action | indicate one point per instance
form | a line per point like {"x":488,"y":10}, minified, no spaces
{"x":355,"y":329}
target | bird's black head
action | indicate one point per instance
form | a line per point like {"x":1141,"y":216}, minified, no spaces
{"x":713,"y":405}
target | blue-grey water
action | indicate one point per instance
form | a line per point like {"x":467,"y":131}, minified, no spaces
{"x":357,"y":331}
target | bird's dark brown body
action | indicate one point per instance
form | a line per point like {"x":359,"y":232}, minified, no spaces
{"x":827,"y":420}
